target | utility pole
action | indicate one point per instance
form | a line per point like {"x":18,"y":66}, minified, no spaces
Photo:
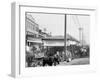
{"x":81,"y":35}
{"x":65,"y":39}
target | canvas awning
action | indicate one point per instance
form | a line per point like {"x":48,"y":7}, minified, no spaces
{"x":35,"y":41}
{"x":58,"y":43}
{"x":53,"y":44}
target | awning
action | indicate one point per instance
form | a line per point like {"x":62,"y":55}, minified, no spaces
{"x":59,"y":43}
{"x":54,"y":44}
{"x":37,"y":41}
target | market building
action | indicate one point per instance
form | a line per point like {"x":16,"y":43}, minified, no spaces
{"x":37,"y":39}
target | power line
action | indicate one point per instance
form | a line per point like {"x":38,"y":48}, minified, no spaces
{"x":74,"y":20}
{"x":78,"y":20}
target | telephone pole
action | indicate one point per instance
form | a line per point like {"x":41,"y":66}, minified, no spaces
{"x":65,"y":39}
{"x":81,"y":35}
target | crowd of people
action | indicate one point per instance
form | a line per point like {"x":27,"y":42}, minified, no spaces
{"x":53,"y":56}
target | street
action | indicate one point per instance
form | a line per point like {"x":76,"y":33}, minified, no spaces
{"x":79,"y":61}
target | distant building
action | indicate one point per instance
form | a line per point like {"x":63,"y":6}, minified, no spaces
{"x":34,"y":34}
{"x":59,"y":41}
{"x":43,"y":34}
{"x":32,"y":31}
{"x":32,"y":28}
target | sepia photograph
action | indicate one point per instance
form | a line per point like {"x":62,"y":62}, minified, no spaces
{"x":54,"y":39}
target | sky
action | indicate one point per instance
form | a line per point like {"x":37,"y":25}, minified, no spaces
{"x":54,"y":23}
